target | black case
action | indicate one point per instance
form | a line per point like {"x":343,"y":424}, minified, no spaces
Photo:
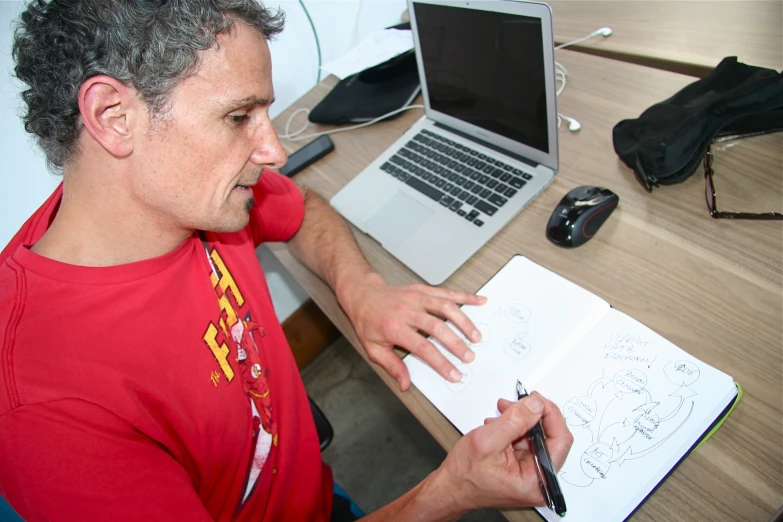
{"x":666,"y":144}
{"x":371,"y":93}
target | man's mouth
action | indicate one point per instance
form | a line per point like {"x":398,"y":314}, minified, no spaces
{"x":248,"y":186}
{"x":249,"y":182}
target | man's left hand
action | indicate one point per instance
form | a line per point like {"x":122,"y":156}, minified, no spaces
{"x":386,"y":316}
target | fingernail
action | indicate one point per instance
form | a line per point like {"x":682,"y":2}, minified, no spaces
{"x":483,"y":299}
{"x":469,"y":356}
{"x":476,"y":336}
{"x":534,"y":404}
{"x":455,"y":376}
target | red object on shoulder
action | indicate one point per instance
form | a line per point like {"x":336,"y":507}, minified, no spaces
{"x":163,"y":389}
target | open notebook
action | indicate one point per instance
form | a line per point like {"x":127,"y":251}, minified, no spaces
{"x":635,"y":403}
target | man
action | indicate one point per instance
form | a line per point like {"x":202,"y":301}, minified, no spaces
{"x":145,"y":375}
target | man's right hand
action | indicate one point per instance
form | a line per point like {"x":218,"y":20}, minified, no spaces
{"x":492,"y":466}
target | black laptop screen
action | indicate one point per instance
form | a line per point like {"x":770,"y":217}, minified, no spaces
{"x":486,"y":68}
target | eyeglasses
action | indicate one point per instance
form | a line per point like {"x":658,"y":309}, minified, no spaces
{"x":710,"y":197}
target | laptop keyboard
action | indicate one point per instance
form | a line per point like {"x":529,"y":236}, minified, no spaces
{"x":470,"y":184}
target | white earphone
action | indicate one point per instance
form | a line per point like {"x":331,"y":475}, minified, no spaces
{"x":604,"y":31}
{"x":573,"y":125}
{"x":561,"y":74}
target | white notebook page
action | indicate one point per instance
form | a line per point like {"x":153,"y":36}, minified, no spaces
{"x":635,"y":404}
{"x":531,"y":317}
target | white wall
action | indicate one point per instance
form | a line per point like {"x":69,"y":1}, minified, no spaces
{"x":25,"y":182}
{"x":340,"y":25}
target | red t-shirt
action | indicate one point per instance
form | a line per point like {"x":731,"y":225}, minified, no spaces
{"x":157,"y":390}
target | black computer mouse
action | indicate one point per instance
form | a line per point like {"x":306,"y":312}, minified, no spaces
{"x":580,"y":214}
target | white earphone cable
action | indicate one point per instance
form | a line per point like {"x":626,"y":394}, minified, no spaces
{"x":604,"y":31}
{"x":561,"y":73}
{"x":296,"y":135}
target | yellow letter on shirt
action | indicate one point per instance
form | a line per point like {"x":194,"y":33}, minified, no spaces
{"x":220,"y":351}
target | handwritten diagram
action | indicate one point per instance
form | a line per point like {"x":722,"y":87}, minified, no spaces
{"x":506,"y":326}
{"x":511,"y":321}
{"x":618,"y":419}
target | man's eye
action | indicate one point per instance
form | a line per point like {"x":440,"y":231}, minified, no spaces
{"x":238,"y":118}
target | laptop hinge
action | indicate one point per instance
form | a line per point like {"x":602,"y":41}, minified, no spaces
{"x":488,"y":145}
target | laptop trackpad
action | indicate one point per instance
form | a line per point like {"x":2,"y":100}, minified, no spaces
{"x":397,"y":219}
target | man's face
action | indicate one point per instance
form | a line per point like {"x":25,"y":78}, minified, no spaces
{"x":195,"y":165}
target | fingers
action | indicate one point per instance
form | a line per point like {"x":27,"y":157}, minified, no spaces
{"x":445,"y":335}
{"x":427,"y":352}
{"x":558,"y":437}
{"x":515,"y":421}
{"x":424,"y":308}
{"x":449,"y":310}
{"x":443,"y":303}
{"x":454,"y":296}
{"x":407,"y":311}
{"x":521,"y":446}
{"x":504,"y":404}
{"x":393,"y":366}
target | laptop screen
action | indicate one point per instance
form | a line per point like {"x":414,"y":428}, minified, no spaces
{"x":486,"y":68}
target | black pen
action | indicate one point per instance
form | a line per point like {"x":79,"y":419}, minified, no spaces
{"x":547,"y":477}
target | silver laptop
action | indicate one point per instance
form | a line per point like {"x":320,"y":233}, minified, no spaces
{"x":486,"y":146}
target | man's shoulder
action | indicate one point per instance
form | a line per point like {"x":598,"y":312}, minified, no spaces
{"x":279,"y":208}
{"x":72,"y":335}
{"x":11,"y":294}
{"x":11,"y":309}
{"x":35,"y":226}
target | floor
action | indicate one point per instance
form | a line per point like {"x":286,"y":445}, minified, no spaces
{"x":379,"y":450}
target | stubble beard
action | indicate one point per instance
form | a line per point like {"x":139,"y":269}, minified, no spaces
{"x":223,"y":226}
{"x":249,"y":204}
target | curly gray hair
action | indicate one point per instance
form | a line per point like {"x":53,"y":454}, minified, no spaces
{"x":149,"y":45}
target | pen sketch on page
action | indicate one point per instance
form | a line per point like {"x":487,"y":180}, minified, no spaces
{"x":618,"y":418}
{"x":504,"y":326}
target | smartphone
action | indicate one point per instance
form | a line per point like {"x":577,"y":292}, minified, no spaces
{"x":310,"y":153}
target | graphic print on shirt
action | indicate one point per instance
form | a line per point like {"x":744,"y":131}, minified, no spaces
{"x":237,"y":333}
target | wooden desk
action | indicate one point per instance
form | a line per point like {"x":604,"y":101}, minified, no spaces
{"x":690,"y":37}
{"x":711,"y":286}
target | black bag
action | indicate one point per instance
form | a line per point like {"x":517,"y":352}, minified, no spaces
{"x":666,"y":144}
{"x":373,"y":92}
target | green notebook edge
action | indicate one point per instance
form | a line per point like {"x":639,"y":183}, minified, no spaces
{"x":719,"y":422}
{"x":707,"y":434}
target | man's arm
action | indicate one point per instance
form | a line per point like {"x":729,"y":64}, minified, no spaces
{"x":383,"y":315}
{"x":489,"y":467}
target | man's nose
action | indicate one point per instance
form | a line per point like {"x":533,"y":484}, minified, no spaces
{"x":269,"y":151}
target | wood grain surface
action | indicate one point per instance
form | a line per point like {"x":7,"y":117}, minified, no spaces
{"x":690,"y":37}
{"x":711,"y":286}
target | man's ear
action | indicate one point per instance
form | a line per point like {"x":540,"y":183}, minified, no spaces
{"x":108,"y":109}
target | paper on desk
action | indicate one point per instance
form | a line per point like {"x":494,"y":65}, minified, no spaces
{"x":376,"y":48}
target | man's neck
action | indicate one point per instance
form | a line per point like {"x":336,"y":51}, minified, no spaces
{"x":97,"y":225}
